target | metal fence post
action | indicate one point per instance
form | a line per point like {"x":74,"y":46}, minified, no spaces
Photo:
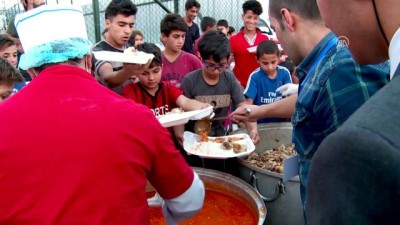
{"x":96,"y":19}
{"x":162,"y":6}
{"x":176,"y":6}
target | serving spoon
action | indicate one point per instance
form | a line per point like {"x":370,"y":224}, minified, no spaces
{"x":205,"y":124}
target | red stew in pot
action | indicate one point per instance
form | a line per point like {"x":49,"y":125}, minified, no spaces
{"x":218,"y":209}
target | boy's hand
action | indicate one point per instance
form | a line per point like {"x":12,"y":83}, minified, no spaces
{"x":178,"y":132}
{"x":255,"y":136}
{"x":137,"y":68}
{"x":155,"y":201}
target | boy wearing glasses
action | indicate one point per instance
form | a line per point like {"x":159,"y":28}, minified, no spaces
{"x":263,"y":82}
{"x":215,"y":85}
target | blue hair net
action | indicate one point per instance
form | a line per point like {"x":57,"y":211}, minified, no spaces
{"x":54,"y":52}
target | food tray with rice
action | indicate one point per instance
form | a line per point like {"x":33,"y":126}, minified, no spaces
{"x":218,"y":147}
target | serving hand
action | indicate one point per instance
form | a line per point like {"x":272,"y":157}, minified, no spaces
{"x":288,"y":89}
{"x":155,"y":201}
{"x":247,"y":113}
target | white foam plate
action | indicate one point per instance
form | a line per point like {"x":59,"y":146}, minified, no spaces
{"x":214,"y":150}
{"x":201,"y":113}
{"x":141,"y":58}
{"x":173,"y":119}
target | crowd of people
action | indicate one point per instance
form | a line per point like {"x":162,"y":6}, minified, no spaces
{"x":92,"y":140}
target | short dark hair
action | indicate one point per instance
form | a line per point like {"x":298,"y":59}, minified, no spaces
{"x":252,"y":5}
{"x":152,"y":49}
{"x":136,"y":32}
{"x":223,"y":23}
{"x":172,"y":21}
{"x":308,"y":9}
{"x":124,"y":7}
{"x":25,"y":4}
{"x":133,"y":36}
{"x":8,"y":73}
{"x":231,"y":30}
{"x":267,"y":47}
{"x":191,"y":3}
{"x":6,"y":41}
{"x":207,"y":22}
{"x":288,"y":64}
{"x":214,"y":44}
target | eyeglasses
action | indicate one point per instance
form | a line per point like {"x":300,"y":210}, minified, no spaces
{"x":215,"y":67}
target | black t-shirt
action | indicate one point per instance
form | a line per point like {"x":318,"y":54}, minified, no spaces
{"x":96,"y":64}
{"x":191,"y":35}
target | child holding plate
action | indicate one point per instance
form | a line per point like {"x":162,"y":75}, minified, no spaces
{"x":160,"y":96}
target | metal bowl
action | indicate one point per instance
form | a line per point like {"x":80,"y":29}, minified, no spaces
{"x":226,"y":183}
{"x":282,"y":198}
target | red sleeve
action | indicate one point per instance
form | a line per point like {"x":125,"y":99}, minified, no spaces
{"x":174,"y":93}
{"x":170,"y":175}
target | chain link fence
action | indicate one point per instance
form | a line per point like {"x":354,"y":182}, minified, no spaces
{"x":150,"y":13}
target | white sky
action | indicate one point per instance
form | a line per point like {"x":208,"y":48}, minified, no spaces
{"x":6,"y":4}
{"x":9,"y":3}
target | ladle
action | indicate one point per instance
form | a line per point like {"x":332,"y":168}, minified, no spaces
{"x":205,"y":124}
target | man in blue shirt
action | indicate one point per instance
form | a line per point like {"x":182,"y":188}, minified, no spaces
{"x":355,"y":174}
{"x":332,"y":84}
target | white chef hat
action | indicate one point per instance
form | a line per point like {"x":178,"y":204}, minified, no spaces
{"x":52,"y":34}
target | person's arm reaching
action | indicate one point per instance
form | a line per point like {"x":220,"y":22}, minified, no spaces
{"x":253,"y":132}
{"x":251,"y":127}
{"x":178,"y":132}
{"x":280,"y":109}
{"x":115,"y":78}
{"x":179,"y":208}
{"x":174,"y":180}
{"x":288,"y":89}
{"x":188,"y":104}
{"x":185,"y":205}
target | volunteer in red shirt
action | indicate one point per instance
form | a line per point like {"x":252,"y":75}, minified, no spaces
{"x":87,"y":153}
{"x":249,"y":36}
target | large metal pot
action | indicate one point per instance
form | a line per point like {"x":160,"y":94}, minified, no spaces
{"x":226,"y":183}
{"x":282,"y":198}
{"x":220,"y":181}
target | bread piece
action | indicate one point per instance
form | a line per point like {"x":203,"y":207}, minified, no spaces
{"x":226,"y":144}
{"x":176,"y":110}
{"x":131,"y":51}
{"x":239,"y":148}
